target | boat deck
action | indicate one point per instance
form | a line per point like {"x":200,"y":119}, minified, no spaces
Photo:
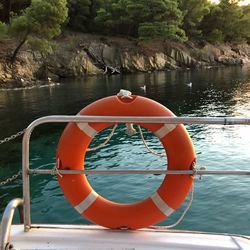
{"x":62,"y":237}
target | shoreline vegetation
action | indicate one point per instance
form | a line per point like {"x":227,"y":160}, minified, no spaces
{"x":43,"y":41}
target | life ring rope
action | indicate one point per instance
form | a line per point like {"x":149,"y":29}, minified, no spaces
{"x":146,"y":145}
{"x":191,"y":197}
{"x":161,"y":133}
{"x":106,"y":141}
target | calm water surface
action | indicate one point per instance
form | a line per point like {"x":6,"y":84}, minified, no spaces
{"x":220,"y":203}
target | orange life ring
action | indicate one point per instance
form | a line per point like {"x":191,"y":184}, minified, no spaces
{"x":169,"y":196}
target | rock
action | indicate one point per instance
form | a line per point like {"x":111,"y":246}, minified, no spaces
{"x":90,"y":55}
{"x":226,"y":60}
{"x":75,"y":64}
{"x":8,"y":76}
{"x":245,"y":60}
{"x":180,"y":58}
{"x":111,"y":56}
{"x":158,"y":61}
{"x":133,"y":62}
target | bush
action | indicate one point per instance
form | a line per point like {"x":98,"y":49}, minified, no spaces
{"x":148,"y":31}
{"x":216,"y":36}
{"x":3,"y":30}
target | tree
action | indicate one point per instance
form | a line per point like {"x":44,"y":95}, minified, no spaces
{"x":10,"y":7}
{"x":3,"y":30}
{"x":246,"y":21}
{"x":193,"y":12}
{"x":41,"y":20}
{"x":93,"y":8}
{"x":231,"y":17}
{"x":246,"y":9}
{"x":210,"y":25}
{"x":127,"y":17}
{"x":5,"y":11}
{"x":114,"y":17}
{"x":161,"y":30}
{"x":78,"y":13}
{"x":82,"y":14}
{"x":228,"y":22}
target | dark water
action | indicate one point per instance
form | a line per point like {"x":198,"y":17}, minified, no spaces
{"x":220,"y":203}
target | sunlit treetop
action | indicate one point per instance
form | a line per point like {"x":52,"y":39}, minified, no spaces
{"x":240,"y":2}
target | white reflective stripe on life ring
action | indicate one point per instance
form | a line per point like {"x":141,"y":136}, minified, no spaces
{"x":87,"y":129}
{"x":164,"y":130}
{"x":87,"y":202}
{"x":161,"y":204}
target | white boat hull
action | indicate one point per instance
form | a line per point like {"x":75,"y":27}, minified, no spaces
{"x":64,"y":237}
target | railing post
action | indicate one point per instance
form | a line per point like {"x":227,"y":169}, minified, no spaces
{"x":7,"y":221}
{"x":26,"y":178}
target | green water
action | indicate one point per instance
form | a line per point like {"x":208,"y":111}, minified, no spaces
{"x":220,"y":203}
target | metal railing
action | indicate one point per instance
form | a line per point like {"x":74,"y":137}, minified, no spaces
{"x":138,"y":171}
{"x":116,"y":120}
{"x":7,"y":222}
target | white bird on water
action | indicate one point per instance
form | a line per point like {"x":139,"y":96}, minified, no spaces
{"x":190,"y":84}
{"x":143,"y":88}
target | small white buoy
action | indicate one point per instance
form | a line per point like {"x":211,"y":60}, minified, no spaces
{"x":143,"y":88}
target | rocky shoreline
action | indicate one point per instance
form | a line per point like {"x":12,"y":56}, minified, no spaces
{"x":81,"y":55}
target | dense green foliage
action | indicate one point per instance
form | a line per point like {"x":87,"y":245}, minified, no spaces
{"x":143,"y":18}
{"x":38,"y":21}
{"x":3,"y":29}
{"x":193,"y":12}
{"x":82,"y":14}
{"x":79,"y":13}
{"x":227,"y":22}
{"x":163,"y":30}
{"x":9,"y":8}
{"x":167,"y":19}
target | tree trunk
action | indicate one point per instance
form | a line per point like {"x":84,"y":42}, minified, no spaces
{"x":6,"y":11}
{"x":13,"y":58}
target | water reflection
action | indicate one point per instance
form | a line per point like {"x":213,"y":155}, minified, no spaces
{"x":125,"y":152}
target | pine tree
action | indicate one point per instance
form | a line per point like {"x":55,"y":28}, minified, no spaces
{"x":12,"y":7}
{"x":79,"y":11}
{"x":227,"y":22}
{"x":42,"y":21}
{"x":193,"y":12}
{"x":143,"y":18}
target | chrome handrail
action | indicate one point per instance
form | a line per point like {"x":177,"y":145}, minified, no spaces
{"x":111,"y":120}
{"x":195,"y":171}
{"x":7,"y":221}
